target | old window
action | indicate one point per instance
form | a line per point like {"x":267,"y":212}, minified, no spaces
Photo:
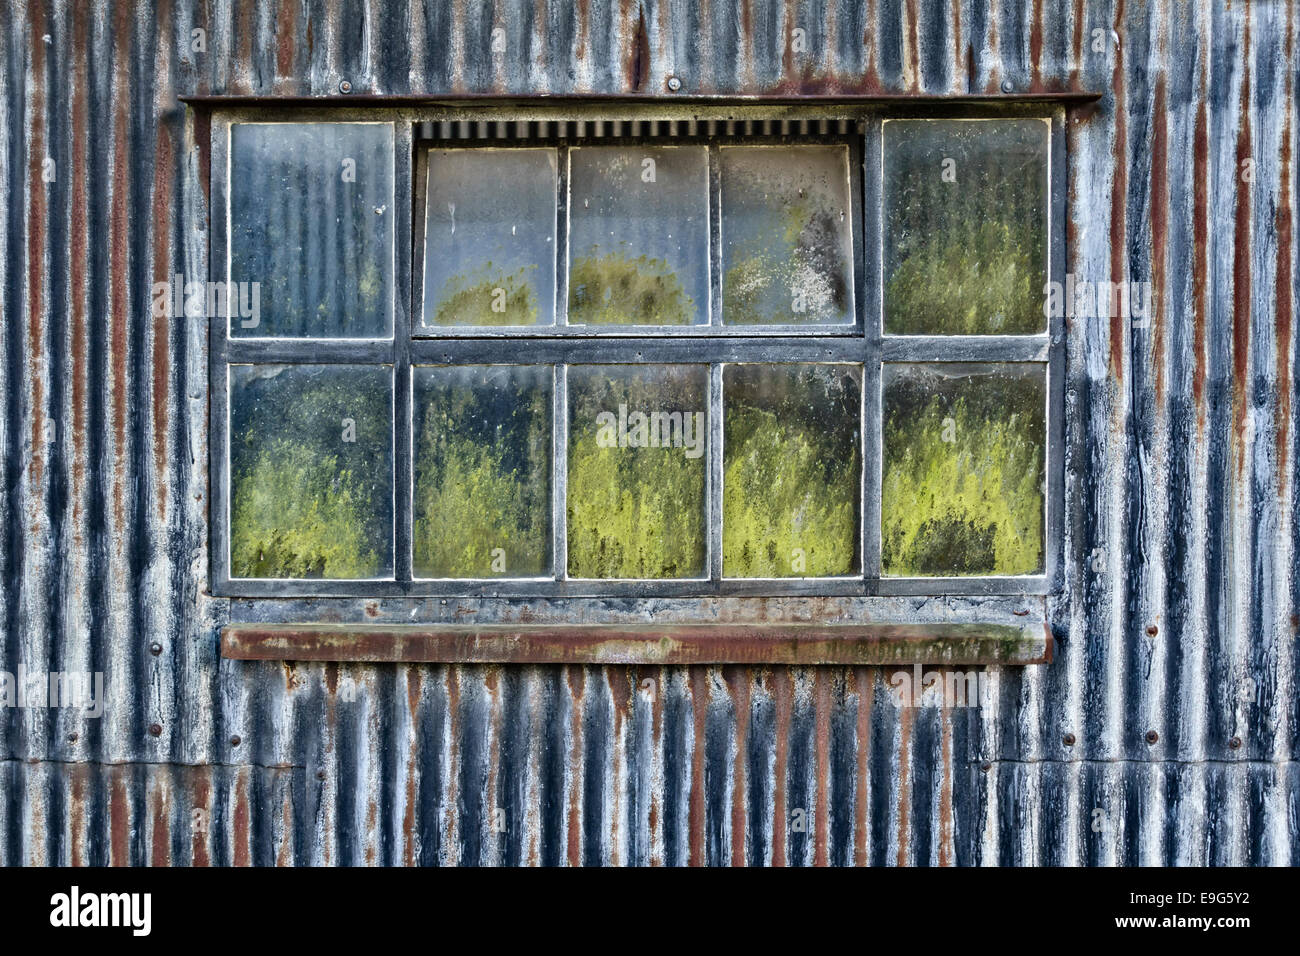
{"x":637,"y":358}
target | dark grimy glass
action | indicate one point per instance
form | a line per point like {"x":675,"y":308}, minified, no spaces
{"x":311,"y":471}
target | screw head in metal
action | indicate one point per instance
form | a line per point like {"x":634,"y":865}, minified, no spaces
{"x":155,"y":648}
{"x":1152,"y":630}
{"x":320,"y":774}
{"x":1152,"y":736}
{"x":1235,"y":743}
{"x":155,"y":730}
{"x":986,"y":767}
{"x":345,"y":86}
{"x":72,"y":738}
{"x":674,"y":84}
{"x":1068,"y":740}
{"x":1008,"y":86}
{"x":236,"y":740}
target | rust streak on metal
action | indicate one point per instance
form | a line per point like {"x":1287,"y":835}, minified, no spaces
{"x":37,"y":214}
{"x":199,"y":834}
{"x":241,"y":829}
{"x":782,"y":693}
{"x":1118,"y":199}
{"x":1159,"y":230}
{"x":160,"y":845}
{"x":1241,"y":277}
{"x":738,"y":685}
{"x":1036,"y":47}
{"x":1200,"y":256}
{"x":1076,"y":44}
{"x":822,"y":743}
{"x":575,"y":677}
{"x":864,"y":679}
{"x":119,"y":261}
{"x":946,"y":856}
{"x":119,"y":819}
{"x":904,"y":764}
{"x":699,"y":677}
{"x":1282,"y":293}
{"x":160,"y":360}
{"x":414,"y":689}
{"x":286,"y":29}
{"x":79,"y":279}
{"x":637,"y":63}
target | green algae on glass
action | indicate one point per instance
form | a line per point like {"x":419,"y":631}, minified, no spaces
{"x":791,"y":470}
{"x":787,"y":247}
{"x":618,"y":289}
{"x":489,"y":241}
{"x":311,"y":471}
{"x":636,"y":500}
{"x":311,"y":213}
{"x":963,"y":469}
{"x":965,"y":226}
{"x":491,"y":297}
{"x":638,"y":235}
{"x":482,"y":496}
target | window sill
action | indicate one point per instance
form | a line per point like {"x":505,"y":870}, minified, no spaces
{"x":670,"y":644}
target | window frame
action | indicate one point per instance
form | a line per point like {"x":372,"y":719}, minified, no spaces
{"x":862,"y":343}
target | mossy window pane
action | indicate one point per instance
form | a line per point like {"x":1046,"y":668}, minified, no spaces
{"x":636,"y":479}
{"x":489,"y":255}
{"x":965,"y":226}
{"x":963,"y":469}
{"x":639,"y":235}
{"x":311,"y":471}
{"x":791,"y":487}
{"x":482,"y":459}
{"x":311,"y":222}
{"x":787,"y":246}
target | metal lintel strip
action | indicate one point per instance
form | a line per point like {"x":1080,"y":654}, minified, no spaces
{"x":671,"y":644}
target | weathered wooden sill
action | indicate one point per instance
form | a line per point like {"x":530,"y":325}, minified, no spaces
{"x":841,"y":644}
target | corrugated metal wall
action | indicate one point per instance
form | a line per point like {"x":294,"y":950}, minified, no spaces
{"x":1175,"y":667}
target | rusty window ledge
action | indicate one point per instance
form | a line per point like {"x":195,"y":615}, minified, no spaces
{"x":803,"y":644}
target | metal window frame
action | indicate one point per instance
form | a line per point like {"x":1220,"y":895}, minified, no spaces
{"x":862,"y":343}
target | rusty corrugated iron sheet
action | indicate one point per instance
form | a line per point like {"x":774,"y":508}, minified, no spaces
{"x":1163,"y":732}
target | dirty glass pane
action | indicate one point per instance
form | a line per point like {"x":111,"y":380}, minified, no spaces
{"x":787,"y":247}
{"x":791,"y":483}
{"x":311,"y":471}
{"x":639,"y":235}
{"x":965,"y":226}
{"x":482,"y":461}
{"x":489,"y":255}
{"x":963,"y":469}
{"x":636,"y":501}
{"x":311,"y":223}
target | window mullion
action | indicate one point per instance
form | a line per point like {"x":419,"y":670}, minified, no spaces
{"x":714,"y":484}
{"x":560,"y":473}
{"x":403,"y":321}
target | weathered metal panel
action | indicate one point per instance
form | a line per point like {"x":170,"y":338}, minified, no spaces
{"x":1174,"y":676}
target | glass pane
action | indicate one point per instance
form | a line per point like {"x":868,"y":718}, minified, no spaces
{"x":482,"y":459}
{"x":639,"y":235}
{"x":787,"y":246}
{"x":963,"y":469}
{"x":791,"y":482}
{"x":965,"y":226}
{"x":311,"y":471}
{"x":637,"y":471}
{"x":311,"y":213}
{"x":489,"y":255}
